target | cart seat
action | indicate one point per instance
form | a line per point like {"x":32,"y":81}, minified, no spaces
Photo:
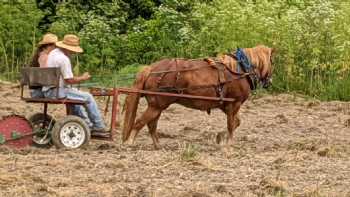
{"x":38,"y":77}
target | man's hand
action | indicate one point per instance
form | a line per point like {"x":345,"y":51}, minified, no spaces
{"x":86,"y":76}
{"x":75,"y":80}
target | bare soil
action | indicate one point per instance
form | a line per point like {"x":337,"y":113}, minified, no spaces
{"x":286,"y":146}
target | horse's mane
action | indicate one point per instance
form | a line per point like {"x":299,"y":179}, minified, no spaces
{"x":260,"y":57}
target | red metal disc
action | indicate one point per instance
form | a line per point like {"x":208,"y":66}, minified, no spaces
{"x":15,"y":131}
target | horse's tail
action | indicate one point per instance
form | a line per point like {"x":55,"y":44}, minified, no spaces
{"x":132,"y":101}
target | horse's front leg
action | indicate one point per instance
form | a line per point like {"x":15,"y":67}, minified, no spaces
{"x":233,"y":120}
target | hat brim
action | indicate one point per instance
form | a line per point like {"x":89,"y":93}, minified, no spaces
{"x":76,"y":49}
{"x":43,"y":42}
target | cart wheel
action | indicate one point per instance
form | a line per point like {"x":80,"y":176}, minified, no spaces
{"x":43,"y":128}
{"x":71,"y":132}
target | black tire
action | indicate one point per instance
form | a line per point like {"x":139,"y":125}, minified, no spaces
{"x":43,"y":138}
{"x":70,"y":133}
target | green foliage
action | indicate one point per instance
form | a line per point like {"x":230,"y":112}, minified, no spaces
{"x":311,"y":36}
{"x":163,"y":36}
{"x":131,"y":69}
{"x":189,"y":152}
{"x":124,"y":77}
{"x":99,"y":24}
{"x":18,"y":34}
{"x":143,"y":9}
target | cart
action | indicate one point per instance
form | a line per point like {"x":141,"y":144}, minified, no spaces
{"x":69,"y":132}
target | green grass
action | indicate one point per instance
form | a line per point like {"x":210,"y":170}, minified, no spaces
{"x":322,"y":84}
{"x":122,"y":77}
{"x":189,"y":152}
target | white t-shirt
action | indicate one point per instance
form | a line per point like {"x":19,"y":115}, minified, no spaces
{"x":57,"y":58}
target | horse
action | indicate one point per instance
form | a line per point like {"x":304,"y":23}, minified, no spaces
{"x":232,"y":75}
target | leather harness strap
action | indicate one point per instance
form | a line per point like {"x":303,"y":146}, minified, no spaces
{"x":221,"y":68}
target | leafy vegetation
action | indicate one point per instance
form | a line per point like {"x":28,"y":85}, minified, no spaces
{"x":311,"y":36}
{"x":189,"y":152}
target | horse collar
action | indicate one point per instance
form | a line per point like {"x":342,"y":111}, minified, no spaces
{"x":247,"y":67}
{"x":244,"y":61}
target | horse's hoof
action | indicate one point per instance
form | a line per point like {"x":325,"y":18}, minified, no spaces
{"x":229,"y":141}
{"x":220,"y":138}
{"x":130,"y":142}
{"x":156,"y":146}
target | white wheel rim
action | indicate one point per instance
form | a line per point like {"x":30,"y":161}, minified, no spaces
{"x":72,"y":135}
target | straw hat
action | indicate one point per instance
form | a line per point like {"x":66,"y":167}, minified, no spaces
{"x":48,"y":38}
{"x":70,"y":42}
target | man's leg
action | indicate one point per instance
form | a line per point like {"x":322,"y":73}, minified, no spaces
{"x":79,"y":110}
{"x":91,"y":106}
{"x":36,"y":93}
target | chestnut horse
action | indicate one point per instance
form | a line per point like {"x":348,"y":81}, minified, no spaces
{"x":200,"y":78}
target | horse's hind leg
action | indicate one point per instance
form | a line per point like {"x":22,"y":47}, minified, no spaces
{"x":149,"y":115}
{"x":232,"y":120}
{"x":152,"y":127}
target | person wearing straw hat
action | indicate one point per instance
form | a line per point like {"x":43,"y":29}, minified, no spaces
{"x":45,"y":46}
{"x":60,"y":57}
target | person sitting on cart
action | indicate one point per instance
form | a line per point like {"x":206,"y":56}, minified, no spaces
{"x":60,"y":57}
{"x":45,"y":46}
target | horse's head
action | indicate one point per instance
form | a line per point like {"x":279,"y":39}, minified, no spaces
{"x":261,"y":58}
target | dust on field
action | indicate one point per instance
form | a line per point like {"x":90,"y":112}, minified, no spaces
{"x":286,"y":146}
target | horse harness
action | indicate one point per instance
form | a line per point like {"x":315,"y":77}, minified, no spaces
{"x":225,"y":74}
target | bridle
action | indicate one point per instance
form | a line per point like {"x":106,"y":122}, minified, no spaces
{"x":254,"y":76}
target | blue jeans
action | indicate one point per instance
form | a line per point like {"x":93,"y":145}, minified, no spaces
{"x":36,"y":93}
{"x":93,"y":116}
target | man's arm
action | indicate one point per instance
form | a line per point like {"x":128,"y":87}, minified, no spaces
{"x":66,"y":70}
{"x":78,"y":79}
